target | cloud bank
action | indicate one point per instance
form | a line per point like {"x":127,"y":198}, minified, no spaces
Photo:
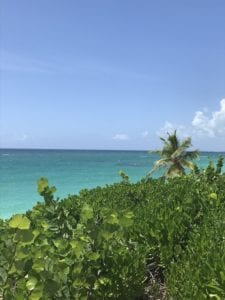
{"x":206,"y":128}
{"x":211,"y":126}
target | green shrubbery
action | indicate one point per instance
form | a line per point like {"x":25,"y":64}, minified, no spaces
{"x":114,"y":242}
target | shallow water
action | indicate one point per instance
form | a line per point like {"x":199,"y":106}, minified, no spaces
{"x":69,"y":170}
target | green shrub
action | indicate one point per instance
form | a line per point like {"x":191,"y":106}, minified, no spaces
{"x":200,"y":271}
{"x":109,"y":243}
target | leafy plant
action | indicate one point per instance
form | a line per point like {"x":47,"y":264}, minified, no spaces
{"x":174,"y":156}
{"x":122,"y":241}
{"x":124,"y":176}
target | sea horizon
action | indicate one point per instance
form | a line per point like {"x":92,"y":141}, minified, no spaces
{"x":100,"y":149}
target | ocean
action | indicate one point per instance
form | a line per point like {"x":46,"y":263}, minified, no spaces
{"x":68,"y":170}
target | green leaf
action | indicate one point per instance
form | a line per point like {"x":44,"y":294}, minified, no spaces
{"x":22,"y":252}
{"x":127,"y":219}
{"x":94,"y":256}
{"x":19,"y":265}
{"x":52,"y":286}
{"x":112,"y":219}
{"x":45,"y":225}
{"x":3,"y":274}
{"x":20,"y":222}
{"x":78,"y":248}
{"x":104,"y":281}
{"x":86,"y":213}
{"x":38,"y":266}
{"x":36,"y":294}
{"x":214,"y":296}
{"x":106,"y":234}
{"x":213,"y":196}
{"x":42,"y":184}
{"x":24,"y":236}
{"x":215,"y":287}
{"x":53,"y":189}
{"x":60,"y":243}
{"x":31,"y":283}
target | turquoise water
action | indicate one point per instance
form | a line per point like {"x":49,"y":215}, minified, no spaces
{"x":69,"y":170}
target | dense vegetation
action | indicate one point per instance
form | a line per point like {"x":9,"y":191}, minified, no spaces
{"x":154,"y":239}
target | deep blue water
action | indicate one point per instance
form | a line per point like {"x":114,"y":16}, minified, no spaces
{"x":69,"y":170}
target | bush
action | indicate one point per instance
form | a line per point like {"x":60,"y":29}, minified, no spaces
{"x":110,"y":243}
{"x":200,"y":271}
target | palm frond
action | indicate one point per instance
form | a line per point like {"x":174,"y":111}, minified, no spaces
{"x":186,"y":143}
{"x":189,"y":164}
{"x":155,"y":152}
{"x":159,"y":164}
{"x":174,"y":170}
{"x":178,"y":153}
{"x":171,"y":171}
{"x":174,"y":155}
{"x":162,"y":139}
{"x":191,"y":154}
{"x":173,"y":140}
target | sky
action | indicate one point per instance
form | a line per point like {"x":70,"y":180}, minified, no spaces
{"x":111,"y":74}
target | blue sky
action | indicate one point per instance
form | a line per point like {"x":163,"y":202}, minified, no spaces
{"x":112,"y":74}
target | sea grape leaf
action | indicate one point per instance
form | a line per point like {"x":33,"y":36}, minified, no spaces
{"x":45,"y":225}
{"x":94,"y":256}
{"x":31,"y":283}
{"x":3,"y":274}
{"x":24,"y":236}
{"x":42,"y":184}
{"x":53,"y":189}
{"x":19,"y":265}
{"x":60,"y":243}
{"x":20,"y":222}
{"x":213,"y":196}
{"x":22,"y":252}
{"x":112,"y":219}
{"x":127,"y":219}
{"x":78,"y":248}
{"x":52,"y":286}
{"x":86,"y":213}
{"x":21,"y":284}
{"x":36,"y":294}
{"x":106,"y":234}
{"x":38,"y":266}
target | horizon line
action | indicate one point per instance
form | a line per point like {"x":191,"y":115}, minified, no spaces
{"x":91,"y":149}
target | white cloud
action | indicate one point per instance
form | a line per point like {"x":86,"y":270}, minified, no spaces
{"x":120,"y":137}
{"x":207,"y":129}
{"x":169,"y":128}
{"x":211,"y":126}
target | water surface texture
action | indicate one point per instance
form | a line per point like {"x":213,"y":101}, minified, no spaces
{"x":69,"y":170}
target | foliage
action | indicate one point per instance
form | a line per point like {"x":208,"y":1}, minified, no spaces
{"x":200,"y":271}
{"x":124,"y":176}
{"x":108,"y":243}
{"x":174,"y":156}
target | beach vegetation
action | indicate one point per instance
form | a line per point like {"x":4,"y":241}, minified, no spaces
{"x":153,"y":239}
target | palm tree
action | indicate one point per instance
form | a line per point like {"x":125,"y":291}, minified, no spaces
{"x":174,"y":156}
